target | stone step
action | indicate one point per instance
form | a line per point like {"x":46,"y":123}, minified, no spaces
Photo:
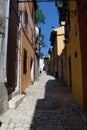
{"x":15,"y":93}
{"x":14,"y":102}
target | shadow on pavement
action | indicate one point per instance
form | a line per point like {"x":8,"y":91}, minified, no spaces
{"x":58,"y":110}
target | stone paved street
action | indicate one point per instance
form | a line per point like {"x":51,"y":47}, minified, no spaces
{"x":48,"y":105}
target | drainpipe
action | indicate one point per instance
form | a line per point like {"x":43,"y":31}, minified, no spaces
{"x":6,"y":39}
{"x":19,"y":47}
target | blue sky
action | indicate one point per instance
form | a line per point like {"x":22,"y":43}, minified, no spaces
{"x":51,"y":14}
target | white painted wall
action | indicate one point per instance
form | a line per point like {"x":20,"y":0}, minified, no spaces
{"x":41,"y":64}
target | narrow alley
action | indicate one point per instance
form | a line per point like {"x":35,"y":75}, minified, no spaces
{"x":47,"y":105}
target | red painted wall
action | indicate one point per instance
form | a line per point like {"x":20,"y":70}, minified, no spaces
{"x":82,"y":11}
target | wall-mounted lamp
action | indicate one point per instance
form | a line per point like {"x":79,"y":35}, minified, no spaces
{"x":63,"y":8}
{"x":59,"y":3}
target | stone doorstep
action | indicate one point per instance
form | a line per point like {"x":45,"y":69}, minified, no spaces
{"x":15,"y":101}
{"x":15,"y":93}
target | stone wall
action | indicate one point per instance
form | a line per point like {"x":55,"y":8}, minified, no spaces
{"x":3,"y":98}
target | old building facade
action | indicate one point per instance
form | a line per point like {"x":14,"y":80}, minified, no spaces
{"x":27,"y":46}
{"x":74,"y":68}
{"x":68,"y":12}
{"x":18,"y":42}
{"x":21,"y":45}
{"x":57,"y":43}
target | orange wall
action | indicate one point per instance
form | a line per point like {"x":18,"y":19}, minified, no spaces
{"x":27,"y":44}
{"x":73,"y":51}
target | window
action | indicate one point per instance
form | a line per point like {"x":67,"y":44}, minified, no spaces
{"x":25,"y":62}
{"x":26,"y":20}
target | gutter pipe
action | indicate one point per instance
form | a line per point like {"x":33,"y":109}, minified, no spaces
{"x":6,"y":39}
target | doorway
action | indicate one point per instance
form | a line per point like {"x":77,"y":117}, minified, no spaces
{"x":31,"y":71}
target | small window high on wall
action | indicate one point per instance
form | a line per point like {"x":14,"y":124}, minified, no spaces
{"x":25,"y":62}
{"x":26,"y":19}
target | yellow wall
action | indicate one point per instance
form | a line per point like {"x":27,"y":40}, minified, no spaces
{"x":73,"y":47}
{"x":27,"y":44}
{"x":58,"y":48}
{"x":60,"y":39}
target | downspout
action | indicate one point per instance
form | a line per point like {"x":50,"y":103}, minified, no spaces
{"x":19,"y":47}
{"x":6,"y":39}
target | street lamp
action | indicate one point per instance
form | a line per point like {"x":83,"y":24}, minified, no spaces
{"x":59,"y":3}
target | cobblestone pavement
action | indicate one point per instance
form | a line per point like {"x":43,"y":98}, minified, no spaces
{"x":48,"y":105}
